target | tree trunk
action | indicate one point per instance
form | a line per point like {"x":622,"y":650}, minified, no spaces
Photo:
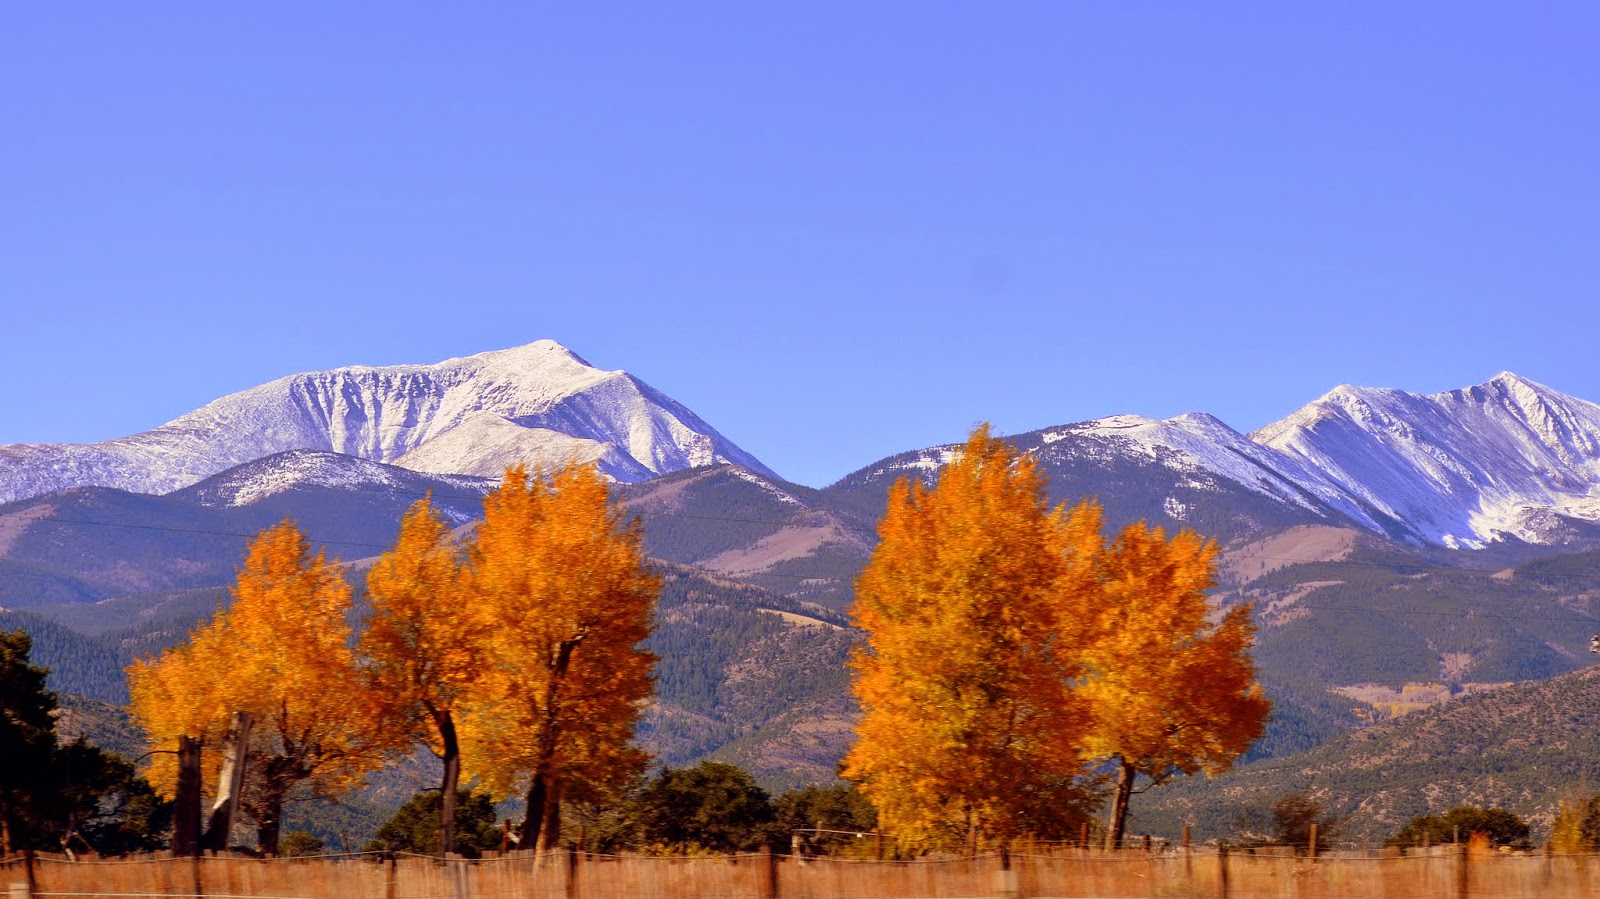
{"x":278,"y":777}
{"x":267,"y":832}
{"x":541,"y":792}
{"x":538,"y":791}
{"x":186,"y":804}
{"x":550,"y":832}
{"x":1119,"y":804}
{"x":447,"y":790}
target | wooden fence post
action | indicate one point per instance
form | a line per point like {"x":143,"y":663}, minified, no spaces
{"x":768,"y":873}
{"x":1222,"y":870}
{"x":1311,"y":848}
{"x":1005,"y":879}
{"x":572,"y":873}
{"x":1188,"y":856}
{"x":390,"y":875}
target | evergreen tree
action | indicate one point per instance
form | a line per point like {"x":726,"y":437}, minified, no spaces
{"x":74,"y":797}
{"x":827,"y":818}
{"x":415,"y":826}
{"x":1501,"y":827}
{"x":27,"y":741}
{"x":713,"y":806}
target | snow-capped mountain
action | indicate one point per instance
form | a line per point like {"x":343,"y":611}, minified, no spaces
{"x":1508,"y":457}
{"x":1187,"y":471}
{"x":539,"y":404}
{"x":457,"y":497}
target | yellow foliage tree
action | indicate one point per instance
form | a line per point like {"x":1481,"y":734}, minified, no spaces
{"x":281,"y":652}
{"x":560,"y":579}
{"x":421,"y":646}
{"x":1172,"y":691}
{"x":971,"y":732}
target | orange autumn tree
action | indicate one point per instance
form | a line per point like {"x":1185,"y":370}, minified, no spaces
{"x":1172,"y":691}
{"x":971,"y":731}
{"x":281,"y":652}
{"x":421,"y":647}
{"x":560,"y":579}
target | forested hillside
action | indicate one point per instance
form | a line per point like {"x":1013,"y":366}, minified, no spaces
{"x":1519,"y":748}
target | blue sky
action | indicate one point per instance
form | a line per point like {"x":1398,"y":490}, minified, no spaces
{"x":835,"y":230}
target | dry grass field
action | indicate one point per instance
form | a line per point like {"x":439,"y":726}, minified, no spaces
{"x":1443,"y":872}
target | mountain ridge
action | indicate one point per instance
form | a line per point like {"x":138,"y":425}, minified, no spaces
{"x":1509,"y":458}
{"x":539,"y":403}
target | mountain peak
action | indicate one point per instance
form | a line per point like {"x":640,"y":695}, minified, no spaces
{"x":539,"y":403}
{"x":541,"y":352}
{"x":1512,"y":378}
{"x":1512,"y":383}
{"x":1458,"y":468}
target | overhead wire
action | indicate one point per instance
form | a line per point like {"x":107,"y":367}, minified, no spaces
{"x":1396,"y":567}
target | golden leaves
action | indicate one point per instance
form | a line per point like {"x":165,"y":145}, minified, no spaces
{"x":562,"y":578}
{"x":528,"y":638}
{"x":281,"y":652}
{"x":1009,"y":647}
{"x":965,"y":680}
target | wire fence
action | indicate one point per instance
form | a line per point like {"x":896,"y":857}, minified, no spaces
{"x":1444,"y":872}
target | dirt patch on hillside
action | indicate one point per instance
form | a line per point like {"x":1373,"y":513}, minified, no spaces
{"x":802,"y":620}
{"x":1297,"y":545}
{"x":16,"y":524}
{"x":1380,"y":703}
{"x":1280,"y":610}
{"x":789,"y":542}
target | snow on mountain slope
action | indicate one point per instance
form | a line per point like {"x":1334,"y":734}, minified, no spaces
{"x":1187,"y":471}
{"x":1199,"y":443}
{"x":271,"y":476}
{"x":1507,"y":458}
{"x":398,"y":413}
{"x":1460,"y":468}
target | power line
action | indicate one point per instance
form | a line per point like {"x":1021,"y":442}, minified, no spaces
{"x":1398,"y":568}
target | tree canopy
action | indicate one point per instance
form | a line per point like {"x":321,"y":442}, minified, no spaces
{"x":282,"y":652}
{"x":970,"y":727}
{"x":1010,"y":651}
{"x":421,"y":647}
{"x":1501,"y":826}
{"x":1171,"y":692}
{"x":415,"y":826}
{"x":712,"y":806}
{"x":560,"y":579}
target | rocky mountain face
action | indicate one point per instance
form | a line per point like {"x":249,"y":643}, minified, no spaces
{"x":539,"y":404}
{"x":1508,"y":458}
